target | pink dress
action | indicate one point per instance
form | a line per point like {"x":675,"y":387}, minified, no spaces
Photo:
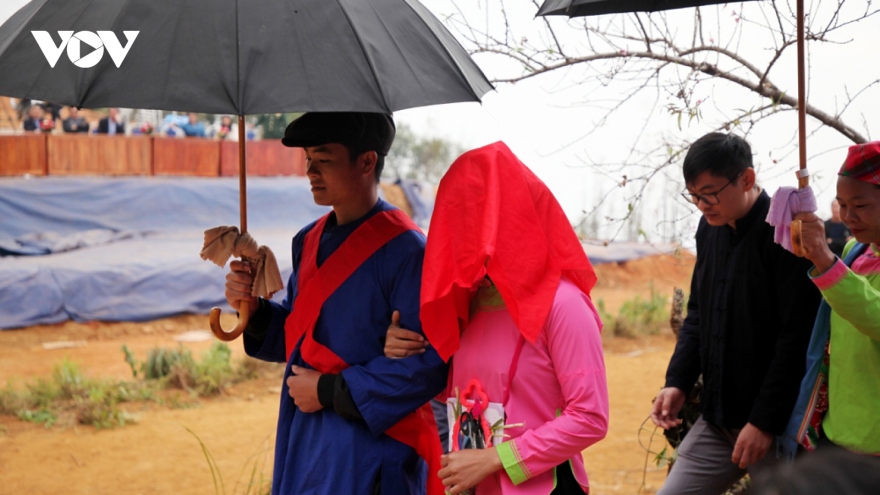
{"x":559,"y":391}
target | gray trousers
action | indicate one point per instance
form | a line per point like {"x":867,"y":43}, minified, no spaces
{"x":703,"y":466}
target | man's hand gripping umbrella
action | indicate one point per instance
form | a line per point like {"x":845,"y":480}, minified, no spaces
{"x":257,"y":275}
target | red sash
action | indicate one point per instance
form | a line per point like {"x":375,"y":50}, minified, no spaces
{"x":315,"y":285}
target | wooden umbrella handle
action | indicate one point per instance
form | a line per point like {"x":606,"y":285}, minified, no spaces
{"x":217,"y":330}
{"x":797,"y":242}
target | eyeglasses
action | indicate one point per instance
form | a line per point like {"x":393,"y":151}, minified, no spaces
{"x":709,"y":198}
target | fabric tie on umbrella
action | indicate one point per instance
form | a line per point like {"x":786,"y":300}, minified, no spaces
{"x":785,"y":204}
{"x":225,"y":241}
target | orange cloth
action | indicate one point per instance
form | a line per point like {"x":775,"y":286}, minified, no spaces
{"x":493,"y":216}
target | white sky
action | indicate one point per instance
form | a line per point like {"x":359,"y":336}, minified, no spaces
{"x":542,"y":119}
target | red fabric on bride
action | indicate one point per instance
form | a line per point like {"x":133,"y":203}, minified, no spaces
{"x":494,"y":216}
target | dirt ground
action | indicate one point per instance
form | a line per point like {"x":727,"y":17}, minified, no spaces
{"x":158,"y":455}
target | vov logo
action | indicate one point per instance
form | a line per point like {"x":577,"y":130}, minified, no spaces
{"x":73,"y":42}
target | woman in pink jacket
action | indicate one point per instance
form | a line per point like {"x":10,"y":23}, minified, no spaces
{"x":505,"y":287}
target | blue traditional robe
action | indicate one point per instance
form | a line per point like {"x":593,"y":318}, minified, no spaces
{"x":322,"y":453}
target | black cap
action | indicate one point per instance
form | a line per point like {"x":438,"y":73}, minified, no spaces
{"x":360,"y":130}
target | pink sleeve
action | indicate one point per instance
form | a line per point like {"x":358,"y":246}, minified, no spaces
{"x":831,"y":276}
{"x":575,"y":347}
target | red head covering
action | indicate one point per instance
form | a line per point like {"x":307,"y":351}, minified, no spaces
{"x":863,"y":162}
{"x":494,"y":216}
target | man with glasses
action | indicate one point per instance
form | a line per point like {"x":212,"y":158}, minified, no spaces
{"x":749,"y":318}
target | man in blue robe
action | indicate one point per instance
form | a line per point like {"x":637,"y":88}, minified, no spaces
{"x":351,"y":420}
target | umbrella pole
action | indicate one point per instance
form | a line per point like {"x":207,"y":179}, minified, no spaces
{"x":244,"y":306}
{"x":803,"y":174}
{"x":802,"y":97}
{"x":242,"y":174}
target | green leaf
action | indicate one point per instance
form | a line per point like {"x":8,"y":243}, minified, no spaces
{"x":662,"y":458}
{"x":129,"y":358}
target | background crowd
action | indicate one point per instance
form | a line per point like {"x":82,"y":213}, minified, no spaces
{"x":41,"y":116}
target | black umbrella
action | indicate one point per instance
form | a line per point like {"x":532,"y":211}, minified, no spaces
{"x":580,"y":8}
{"x":235,"y":56}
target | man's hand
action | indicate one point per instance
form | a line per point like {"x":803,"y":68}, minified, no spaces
{"x":303,"y":385}
{"x":751,"y":446}
{"x":814,"y":241}
{"x":464,"y":469}
{"x":239,"y":282}
{"x":667,"y":406}
{"x":400,"y":343}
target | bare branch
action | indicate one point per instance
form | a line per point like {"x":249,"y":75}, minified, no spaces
{"x":617,"y":58}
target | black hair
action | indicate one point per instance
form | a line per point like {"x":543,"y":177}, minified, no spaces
{"x":830,"y":469}
{"x":354,"y":153}
{"x":722,"y":155}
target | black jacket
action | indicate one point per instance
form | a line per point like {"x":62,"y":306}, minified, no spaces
{"x":749,"y":319}
{"x":104,"y":127}
{"x":78,"y":124}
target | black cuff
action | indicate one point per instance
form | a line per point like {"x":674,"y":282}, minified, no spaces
{"x":343,"y":402}
{"x":258,"y":324}
{"x":680,"y":384}
{"x":326,"y":384}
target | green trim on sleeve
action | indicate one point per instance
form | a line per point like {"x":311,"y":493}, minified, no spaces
{"x":512,"y":462}
{"x":555,"y":480}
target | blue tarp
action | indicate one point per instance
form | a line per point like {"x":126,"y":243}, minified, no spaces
{"x":127,"y":249}
{"x":618,"y":252}
{"x":420,"y":196}
{"x":130,"y":246}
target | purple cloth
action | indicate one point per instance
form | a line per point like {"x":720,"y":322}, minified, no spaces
{"x":785,"y":204}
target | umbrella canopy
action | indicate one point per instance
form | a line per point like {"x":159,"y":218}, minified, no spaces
{"x":578,"y":8}
{"x":235,"y":56}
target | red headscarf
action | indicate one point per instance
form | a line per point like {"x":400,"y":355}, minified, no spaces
{"x":863,"y":162}
{"x":494,"y":216}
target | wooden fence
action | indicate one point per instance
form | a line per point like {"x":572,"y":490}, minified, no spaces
{"x":83,"y":154}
